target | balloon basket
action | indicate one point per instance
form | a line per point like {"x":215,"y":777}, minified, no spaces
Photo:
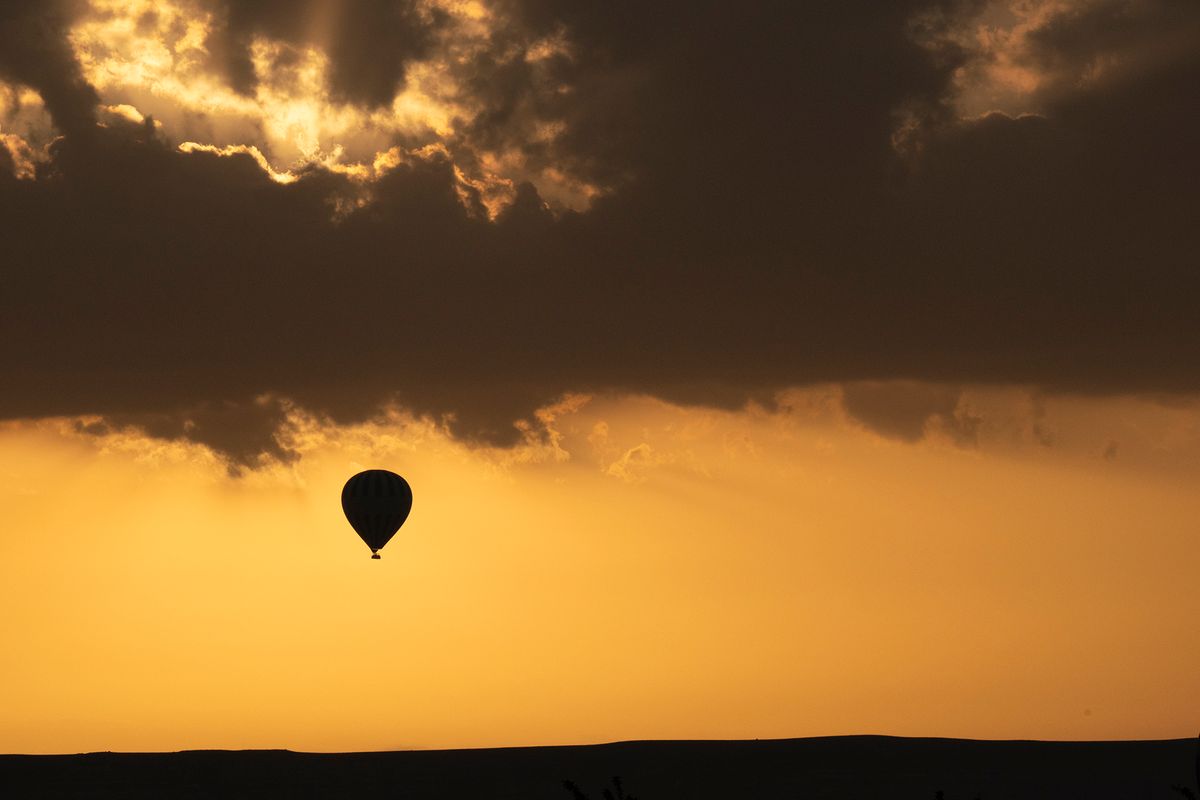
{"x":376,"y":555}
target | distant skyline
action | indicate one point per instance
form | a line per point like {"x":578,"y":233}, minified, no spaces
{"x":767,"y":371}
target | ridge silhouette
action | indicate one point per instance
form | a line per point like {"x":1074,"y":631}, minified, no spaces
{"x":829,"y":767}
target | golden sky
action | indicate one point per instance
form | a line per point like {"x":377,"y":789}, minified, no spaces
{"x":650,"y":572}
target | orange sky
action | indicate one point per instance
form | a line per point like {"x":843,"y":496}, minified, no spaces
{"x":653,"y":572}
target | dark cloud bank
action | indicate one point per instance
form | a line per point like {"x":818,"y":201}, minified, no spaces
{"x":763,"y":227}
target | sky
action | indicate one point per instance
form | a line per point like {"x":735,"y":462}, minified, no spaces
{"x":797,"y":369}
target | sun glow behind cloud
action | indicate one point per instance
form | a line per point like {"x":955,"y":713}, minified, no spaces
{"x":154,"y":58}
{"x":25,"y":128}
{"x":1010,"y":69}
{"x":634,"y":570}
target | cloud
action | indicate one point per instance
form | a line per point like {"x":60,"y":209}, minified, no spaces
{"x":750,"y":224}
{"x":900,"y":410}
{"x":246,"y":433}
{"x":34,"y":51}
{"x":369,"y":42}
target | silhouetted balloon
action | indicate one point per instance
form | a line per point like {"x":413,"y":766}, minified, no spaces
{"x":376,"y":503}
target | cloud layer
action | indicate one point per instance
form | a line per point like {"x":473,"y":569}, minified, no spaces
{"x":697,"y":202}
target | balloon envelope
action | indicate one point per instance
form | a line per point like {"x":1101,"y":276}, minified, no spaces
{"x":376,"y":503}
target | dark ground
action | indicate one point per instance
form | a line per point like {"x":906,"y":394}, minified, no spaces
{"x":835,"y":767}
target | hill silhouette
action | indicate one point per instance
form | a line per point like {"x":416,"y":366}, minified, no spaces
{"x":832,"y":767}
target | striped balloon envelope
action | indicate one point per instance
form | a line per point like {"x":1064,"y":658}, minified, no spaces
{"x":376,"y":503}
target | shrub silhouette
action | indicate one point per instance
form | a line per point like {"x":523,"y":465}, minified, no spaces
{"x":608,"y":794}
{"x":1186,"y":791}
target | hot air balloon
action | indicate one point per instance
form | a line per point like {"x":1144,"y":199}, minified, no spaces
{"x":376,"y":503}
